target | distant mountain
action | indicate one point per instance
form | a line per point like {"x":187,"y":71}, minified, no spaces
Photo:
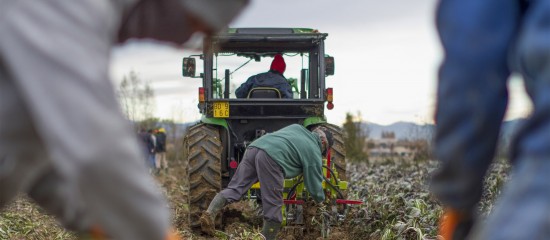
{"x":402,"y":130}
{"x":410,"y":130}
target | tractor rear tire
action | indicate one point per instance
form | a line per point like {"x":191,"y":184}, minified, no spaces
{"x":338,"y":150}
{"x":203,"y":169}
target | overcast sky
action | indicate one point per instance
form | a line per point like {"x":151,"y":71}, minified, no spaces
{"x":386,"y":54}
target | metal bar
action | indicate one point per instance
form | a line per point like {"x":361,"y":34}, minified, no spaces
{"x":303,"y":84}
{"x":226,"y":91}
{"x":297,"y":202}
{"x":345,"y":201}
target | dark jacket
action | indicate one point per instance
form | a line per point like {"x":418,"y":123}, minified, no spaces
{"x":268,"y":79}
{"x":147,"y":141}
{"x":161,"y":142}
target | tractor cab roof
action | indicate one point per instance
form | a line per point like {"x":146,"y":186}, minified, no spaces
{"x":297,"y":32}
{"x":267,"y":40}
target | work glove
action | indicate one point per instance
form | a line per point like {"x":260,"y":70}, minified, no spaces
{"x":173,"y":235}
{"x":455,"y":225}
{"x":96,"y":233}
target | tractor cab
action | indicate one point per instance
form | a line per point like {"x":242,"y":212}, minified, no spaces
{"x":231,"y":58}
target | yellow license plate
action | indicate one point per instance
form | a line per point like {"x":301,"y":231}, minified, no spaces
{"x":221,"y":109}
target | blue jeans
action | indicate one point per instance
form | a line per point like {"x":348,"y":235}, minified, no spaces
{"x":484,"y":41}
{"x":151,"y":160}
{"x":477,"y":36}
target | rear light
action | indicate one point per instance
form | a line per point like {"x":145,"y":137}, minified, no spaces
{"x":329,"y":94}
{"x":201,"y":95}
{"x":233,"y":164}
{"x":329,"y":98}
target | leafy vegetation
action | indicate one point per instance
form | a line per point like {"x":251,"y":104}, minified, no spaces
{"x":22,"y":219}
{"x":397,"y":205}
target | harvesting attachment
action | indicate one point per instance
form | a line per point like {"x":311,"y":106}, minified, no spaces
{"x":301,"y":215}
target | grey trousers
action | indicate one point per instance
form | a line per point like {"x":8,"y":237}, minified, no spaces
{"x":256,"y":166}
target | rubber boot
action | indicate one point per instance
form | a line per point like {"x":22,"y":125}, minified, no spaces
{"x":270,"y":229}
{"x":209,"y":216}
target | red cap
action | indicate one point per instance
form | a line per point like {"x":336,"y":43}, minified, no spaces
{"x":278,"y":64}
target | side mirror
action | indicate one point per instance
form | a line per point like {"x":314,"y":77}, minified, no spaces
{"x":188,"y":67}
{"x":329,"y":65}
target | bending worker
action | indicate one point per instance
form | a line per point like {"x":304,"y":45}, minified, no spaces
{"x":286,"y":153}
{"x":273,"y":78}
{"x":484,"y":42}
{"x":59,"y":113}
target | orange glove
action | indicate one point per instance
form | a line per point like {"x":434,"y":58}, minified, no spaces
{"x":455,"y":225}
{"x":97,"y":233}
{"x":173,"y":235}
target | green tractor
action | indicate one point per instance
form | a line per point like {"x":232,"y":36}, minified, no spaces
{"x":217,"y":143}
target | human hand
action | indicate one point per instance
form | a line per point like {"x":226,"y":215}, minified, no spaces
{"x":455,"y":225}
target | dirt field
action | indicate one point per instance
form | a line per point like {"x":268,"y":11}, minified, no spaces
{"x":397,"y":206}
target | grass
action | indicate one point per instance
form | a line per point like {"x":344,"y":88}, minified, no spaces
{"x":397,"y":205}
{"x":22,"y":219}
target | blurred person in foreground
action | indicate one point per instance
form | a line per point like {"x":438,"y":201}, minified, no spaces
{"x":287,"y":153}
{"x":54,"y":78}
{"x":484,"y":42}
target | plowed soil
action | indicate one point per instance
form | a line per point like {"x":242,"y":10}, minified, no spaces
{"x":241,"y":220}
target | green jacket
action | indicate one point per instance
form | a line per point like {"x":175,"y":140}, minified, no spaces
{"x":297,"y":150}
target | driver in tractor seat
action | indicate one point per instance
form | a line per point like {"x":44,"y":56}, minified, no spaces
{"x":273,"y":78}
{"x":286,"y":153}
